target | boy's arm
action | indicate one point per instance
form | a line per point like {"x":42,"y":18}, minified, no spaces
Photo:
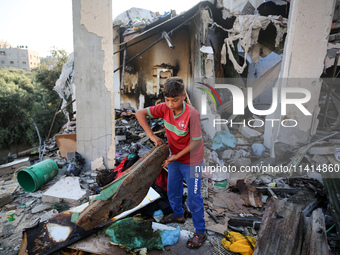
{"x":141,"y":117}
{"x":193,"y":144}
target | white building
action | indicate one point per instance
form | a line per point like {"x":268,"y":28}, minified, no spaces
{"x":20,"y":57}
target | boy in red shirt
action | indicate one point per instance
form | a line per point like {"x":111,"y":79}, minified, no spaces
{"x":183,"y":130}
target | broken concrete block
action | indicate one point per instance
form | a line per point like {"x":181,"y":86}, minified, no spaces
{"x":10,"y":168}
{"x":10,"y":207}
{"x":242,"y":162}
{"x":322,"y":150}
{"x":67,"y":190}
{"x":98,"y":164}
{"x":5,"y":198}
{"x":6,"y":191}
{"x":120,"y":138}
{"x":40,"y":208}
{"x":247,"y":132}
{"x":227,"y":154}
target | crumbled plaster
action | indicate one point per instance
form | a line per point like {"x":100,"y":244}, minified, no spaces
{"x":246,"y":29}
{"x":93,"y":18}
{"x":206,"y":20}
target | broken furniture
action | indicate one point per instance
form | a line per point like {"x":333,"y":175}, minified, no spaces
{"x":127,"y":191}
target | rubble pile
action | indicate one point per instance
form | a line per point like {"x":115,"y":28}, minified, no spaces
{"x":235,"y":200}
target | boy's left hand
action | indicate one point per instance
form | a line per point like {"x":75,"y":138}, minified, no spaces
{"x":169,"y":160}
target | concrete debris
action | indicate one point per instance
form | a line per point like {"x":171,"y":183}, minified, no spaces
{"x":297,"y":202}
{"x":248,"y":132}
{"x":98,"y":164}
{"x":322,"y":150}
{"x":227,"y":154}
{"x":40,"y":208}
{"x":11,"y":167}
{"x":72,"y":193}
{"x":10,"y":207}
{"x":242,"y":162}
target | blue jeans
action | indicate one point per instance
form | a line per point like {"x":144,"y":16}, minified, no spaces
{"x":176,"y":172}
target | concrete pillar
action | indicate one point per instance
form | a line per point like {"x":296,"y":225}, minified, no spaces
{"x":302,"y":64}
{"x":93,"y":66}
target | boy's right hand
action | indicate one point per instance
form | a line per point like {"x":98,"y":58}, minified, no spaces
{"x":156,"y":140}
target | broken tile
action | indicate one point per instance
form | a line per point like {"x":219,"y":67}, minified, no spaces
{"x":67,"y":189}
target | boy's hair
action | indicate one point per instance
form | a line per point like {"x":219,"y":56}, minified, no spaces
{"x":173,"y":87}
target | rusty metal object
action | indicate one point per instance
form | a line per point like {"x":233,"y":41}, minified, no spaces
{"x":52,"y":235}
{"x":130,"y":192}
{"x":281,"y":230}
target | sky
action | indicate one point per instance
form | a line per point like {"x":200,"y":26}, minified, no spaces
{"x":44,"y":24}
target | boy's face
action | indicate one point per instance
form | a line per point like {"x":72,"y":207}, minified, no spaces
{"x":175,"y":103}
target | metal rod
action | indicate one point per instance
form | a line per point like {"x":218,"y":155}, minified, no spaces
{"x":67,"y":105}
{"x":168,"y":40}
{"x":134,"y":43}
{"x":55,"y":115}
{"x":36,"y":128}
{"x":154,"y":43}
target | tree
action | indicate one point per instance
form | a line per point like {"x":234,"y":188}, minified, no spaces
{"x":17,"y":97}
{"x":27,"y":98}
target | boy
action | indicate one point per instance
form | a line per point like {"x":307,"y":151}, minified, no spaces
{"x":182,"y":126}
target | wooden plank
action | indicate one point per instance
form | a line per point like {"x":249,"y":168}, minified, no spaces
{"x":281,"y":230}
{"x":307,"y":230}
{"x":318,"y":240}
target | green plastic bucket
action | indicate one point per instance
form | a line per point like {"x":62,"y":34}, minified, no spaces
{"x":31,"y":178}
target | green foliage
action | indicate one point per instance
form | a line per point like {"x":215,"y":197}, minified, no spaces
{"x":15,"y":106}
{"x":27,"y":98}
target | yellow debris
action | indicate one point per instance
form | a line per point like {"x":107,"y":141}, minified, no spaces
{"x":238,"y":243}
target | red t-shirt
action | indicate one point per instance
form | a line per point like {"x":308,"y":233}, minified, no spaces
{"x":180,"y":129}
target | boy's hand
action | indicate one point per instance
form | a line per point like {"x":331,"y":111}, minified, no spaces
{"x":156,"y":140}
{"x":169,"y":160}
